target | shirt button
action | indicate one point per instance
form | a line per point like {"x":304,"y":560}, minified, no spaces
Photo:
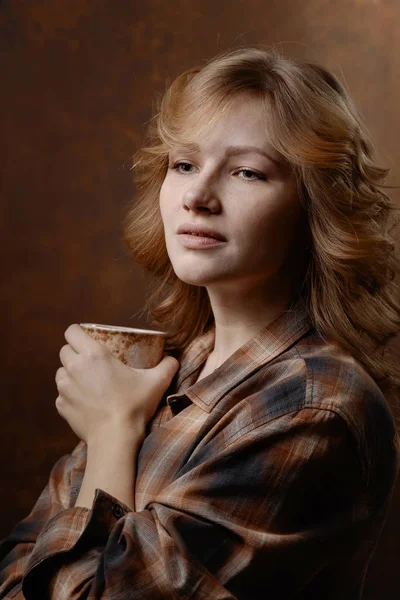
{"x":174,"y":404}
{"x":117,"y":511}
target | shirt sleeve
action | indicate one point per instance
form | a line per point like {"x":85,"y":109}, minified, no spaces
{"x":59,"y":494}
{"x":268,"y":509}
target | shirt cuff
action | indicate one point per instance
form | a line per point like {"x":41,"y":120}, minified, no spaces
{"x":74,"y":528}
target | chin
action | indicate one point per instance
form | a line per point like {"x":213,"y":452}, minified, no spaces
{"x":193,"y":277}
{"x":197,"y":270}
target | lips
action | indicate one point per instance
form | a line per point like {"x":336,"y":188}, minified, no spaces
{"x":200,"y":231}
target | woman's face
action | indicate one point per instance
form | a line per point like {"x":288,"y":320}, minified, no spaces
{"x":231,"y":210}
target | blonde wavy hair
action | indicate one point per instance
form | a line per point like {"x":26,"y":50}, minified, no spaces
{"x":350,"y":286}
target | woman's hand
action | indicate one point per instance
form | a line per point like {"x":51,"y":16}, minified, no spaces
{"x":97,"y":392}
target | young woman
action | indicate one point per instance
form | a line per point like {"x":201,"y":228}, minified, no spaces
{"x":257,"y":459}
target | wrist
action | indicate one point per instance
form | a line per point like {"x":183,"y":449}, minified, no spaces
{"x":116,"y":435}
{"x":111,"y":464}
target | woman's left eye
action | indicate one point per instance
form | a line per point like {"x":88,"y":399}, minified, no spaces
{"x":254,"y":175}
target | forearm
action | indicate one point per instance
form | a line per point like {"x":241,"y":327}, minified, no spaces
{"x":111,"y":466}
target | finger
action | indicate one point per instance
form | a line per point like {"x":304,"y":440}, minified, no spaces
{"x":67,"y":354}
{"x":61,"y":375}
{"x":60,"y":406}
{"x":167,"y":368}
{"x":79,"y":340}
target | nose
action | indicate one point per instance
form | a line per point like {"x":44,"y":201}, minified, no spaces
{"x":200,"y":197}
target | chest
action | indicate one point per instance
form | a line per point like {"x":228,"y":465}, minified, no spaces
{"x":165,"y":450}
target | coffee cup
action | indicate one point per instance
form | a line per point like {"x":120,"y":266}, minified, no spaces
{"x":137,"y":348}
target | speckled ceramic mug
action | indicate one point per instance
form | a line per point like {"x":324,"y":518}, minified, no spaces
{"x":138,"y":348}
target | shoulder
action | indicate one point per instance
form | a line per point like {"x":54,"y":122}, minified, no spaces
{"x":331,"y":384}
{"x":320,"y":374}
{"x":319,"y":380}
{"x":334,"y":380}
{"x":315,"y":374}
{"x":317,"y":399}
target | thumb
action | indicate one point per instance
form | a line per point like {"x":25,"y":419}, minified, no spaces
{"x":166,"y":368}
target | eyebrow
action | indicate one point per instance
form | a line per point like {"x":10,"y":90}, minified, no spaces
{"x":235,"y":150}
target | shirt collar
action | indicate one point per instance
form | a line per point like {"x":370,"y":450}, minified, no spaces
{"x":267,"y":344}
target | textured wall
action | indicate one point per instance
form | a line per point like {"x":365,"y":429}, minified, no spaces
{"x":78,"y":81}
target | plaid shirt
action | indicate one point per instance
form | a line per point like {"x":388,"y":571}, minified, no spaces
{"x":269,"y":478}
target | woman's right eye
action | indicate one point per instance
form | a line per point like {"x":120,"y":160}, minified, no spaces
{"x":181,"y":167}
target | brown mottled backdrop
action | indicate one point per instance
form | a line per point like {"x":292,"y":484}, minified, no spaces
{"x":79,"y":78}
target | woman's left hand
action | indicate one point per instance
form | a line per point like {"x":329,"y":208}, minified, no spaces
{"x":97,"y":392}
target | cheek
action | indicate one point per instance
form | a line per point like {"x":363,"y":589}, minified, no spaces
{"x":272,"y":230}
{"x":164,"y":205}
{"x":167,"y":219}
{"x":168,"y":200}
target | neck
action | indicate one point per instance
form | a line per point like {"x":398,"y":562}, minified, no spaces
{"x":240,"y":312}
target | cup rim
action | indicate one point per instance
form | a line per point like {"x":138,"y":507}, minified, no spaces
{"x":121,"y":328}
